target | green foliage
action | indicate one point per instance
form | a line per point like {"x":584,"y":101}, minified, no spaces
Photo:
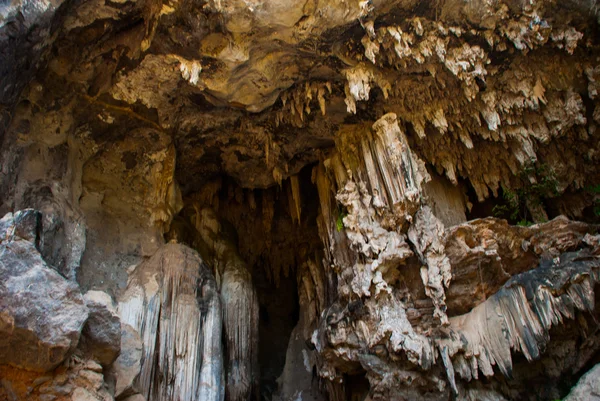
{"x":541,"y":184}
{"x":510,"y":207}
{"x":339,"y":222}
{"x":595,"y":190}
{"x":525,"y":223}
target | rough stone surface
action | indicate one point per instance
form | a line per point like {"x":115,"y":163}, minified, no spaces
{"x":587,"y":388}
{"x":77,"y":379}
{"x":126,"y":369}
{"x":102,"y":331}
{"x":42,"y":314}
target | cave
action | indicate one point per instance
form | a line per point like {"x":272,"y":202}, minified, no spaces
{"x":326,"y":200}
{"x":275,"y":231}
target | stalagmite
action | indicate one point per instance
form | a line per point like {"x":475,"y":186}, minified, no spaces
{"x":240,"y":310}
{"x":172,"y":301}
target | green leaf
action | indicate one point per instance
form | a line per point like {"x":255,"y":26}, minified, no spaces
{"x":525,"y":223}
{"x":339,"y":223}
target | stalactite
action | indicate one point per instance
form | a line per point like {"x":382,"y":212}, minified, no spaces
{"x":181,"y":335}
{"x":240,"y":311}
{"x":378,"y":181}
{"x":426,"y":235}
{"x":298,"y":100}
{"x":520,"y":315}
{"x":296,"y":195}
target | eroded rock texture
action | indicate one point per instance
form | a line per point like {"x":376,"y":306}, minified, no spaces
{"x":318,"y":200}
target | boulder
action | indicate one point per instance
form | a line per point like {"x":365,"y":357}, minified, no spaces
{"x":24,"y":224}
{"x":127,"y":367}
{"x":41,"y":313}
{"x":587,"y":388}
{"x":102,"y":331}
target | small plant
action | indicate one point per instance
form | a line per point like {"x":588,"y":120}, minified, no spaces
{"x":525,"y":223}
{"x":595,"y":191}
{"x":339,"y":222}
{"x":510,"y":207}
{"x":516,"y":204}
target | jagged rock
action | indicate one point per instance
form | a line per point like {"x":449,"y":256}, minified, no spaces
{"x":77,"y":378}
{"x":172,"y":301}
{"x":42,"y":314}
{"x":24,"y":224}
{"x":102,"y":331}
{"x":126,"y":368}
{"x":63,"y":235}
{"x":587,"y":388}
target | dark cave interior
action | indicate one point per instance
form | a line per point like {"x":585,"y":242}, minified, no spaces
{"x":275,"y":231}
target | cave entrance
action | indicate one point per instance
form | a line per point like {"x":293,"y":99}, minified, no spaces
{"x":275,"y":232}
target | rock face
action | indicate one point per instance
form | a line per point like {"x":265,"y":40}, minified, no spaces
{"x":76,"y":379}
{"x":42,"y":314}
{"x":319,"y":200}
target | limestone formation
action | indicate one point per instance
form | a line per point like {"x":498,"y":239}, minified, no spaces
{"x":181,"y":336}
{"x":318,"y":200}
{"x":240,"y":310}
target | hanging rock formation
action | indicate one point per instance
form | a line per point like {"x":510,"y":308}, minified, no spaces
{"x":393,"y":200}
{"x":240,"y":309}
{"x":172,"y":301}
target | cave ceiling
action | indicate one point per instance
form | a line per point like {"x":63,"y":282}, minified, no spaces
{"x":257,"y":90}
